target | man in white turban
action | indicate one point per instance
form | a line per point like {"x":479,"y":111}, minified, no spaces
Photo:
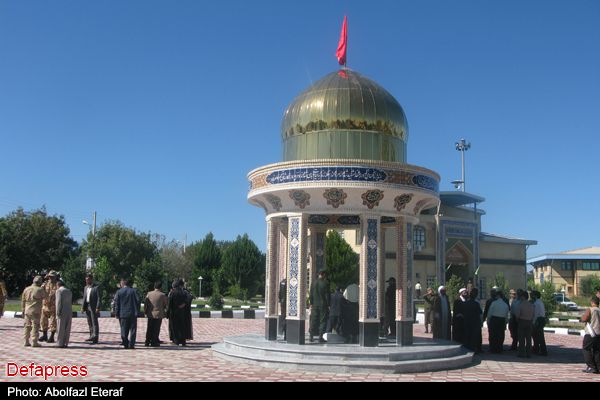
{"x":458,"y":320}
{"x":441,"y":322}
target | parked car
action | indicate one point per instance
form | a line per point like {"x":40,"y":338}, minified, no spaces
{"x":561,"y":299}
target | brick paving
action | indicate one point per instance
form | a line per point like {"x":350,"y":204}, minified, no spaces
{"x":109,"y":362}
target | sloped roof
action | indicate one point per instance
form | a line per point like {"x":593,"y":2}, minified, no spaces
{"x":585,"y":250}
{"x":492,"y":237}
{"x":586,"y":253}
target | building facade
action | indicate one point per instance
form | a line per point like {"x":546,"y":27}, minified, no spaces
{"x":566,"y":269}
{"x":450,"y":241}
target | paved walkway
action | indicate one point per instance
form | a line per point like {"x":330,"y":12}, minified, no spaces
{"x":108,"y":362}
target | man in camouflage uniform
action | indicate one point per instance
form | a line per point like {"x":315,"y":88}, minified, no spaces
{"x":49,"y":309}
{"x":31,"y":305}
{"x":3,"y":295}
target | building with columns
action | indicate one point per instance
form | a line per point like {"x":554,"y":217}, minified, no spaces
{"x":344,"y":146}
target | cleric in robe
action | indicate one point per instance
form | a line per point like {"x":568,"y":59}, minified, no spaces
{"x":442,"y":317}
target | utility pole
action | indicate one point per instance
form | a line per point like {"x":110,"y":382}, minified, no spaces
{"x":462,"y":147}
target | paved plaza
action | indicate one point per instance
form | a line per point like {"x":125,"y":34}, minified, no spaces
{"x":109,"y":362}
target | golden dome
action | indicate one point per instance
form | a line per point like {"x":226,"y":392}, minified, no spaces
{"x":344,"y":115}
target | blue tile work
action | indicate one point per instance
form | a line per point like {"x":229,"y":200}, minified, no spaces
{"x":372,"y":251}
{"x":320,"y":255}
{"x":347,"y":174}
{"x":293,"y":280}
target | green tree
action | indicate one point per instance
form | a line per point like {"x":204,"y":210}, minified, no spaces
{"x":176,"y":262}
{"x":73,"y":274}
{"x":530,"y":279}
{"x":34,"y":241}
{"x":242,"y":266}
{"x":342,"y":262}
{"x":207,"y":264}
{"x":118,"y":252}
{"x":500,"y":283}
{"x":147,"y":274}
{"x":589,"y":285}
{"x":107,"y":278}
{"x":546,"y":289}
{"x":453,"y":285}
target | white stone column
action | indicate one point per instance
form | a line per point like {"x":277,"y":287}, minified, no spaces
{"x":271,"y":280}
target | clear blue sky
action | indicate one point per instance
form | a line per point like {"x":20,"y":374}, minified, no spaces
{"x":153,"y":112}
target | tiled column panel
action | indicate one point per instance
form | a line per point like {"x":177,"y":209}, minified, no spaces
{"x":369,"y":268}
{"x":319,"y":252}
{"x":404,"y":309}
{"x":297,"y":240}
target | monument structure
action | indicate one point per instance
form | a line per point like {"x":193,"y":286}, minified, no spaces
{"x":344,"y":146}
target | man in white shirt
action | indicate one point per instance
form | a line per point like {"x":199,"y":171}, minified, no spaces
{"x":539,"y":321}
{"x":497,"y":318}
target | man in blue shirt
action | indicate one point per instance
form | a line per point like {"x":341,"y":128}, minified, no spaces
{"x":127,"y":308}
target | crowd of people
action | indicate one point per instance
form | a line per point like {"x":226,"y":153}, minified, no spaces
{"x":523,"y":313}
{"x":460,"y":320}
{"x":47,"y":307}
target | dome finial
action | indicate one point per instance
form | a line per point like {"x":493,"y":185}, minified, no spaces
{"x":341,"y":50}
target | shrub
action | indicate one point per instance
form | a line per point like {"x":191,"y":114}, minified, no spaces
{"x":215,"y":301}
{"x":589,"y":285}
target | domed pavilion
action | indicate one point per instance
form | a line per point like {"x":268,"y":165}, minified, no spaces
{"x":344,"y":146}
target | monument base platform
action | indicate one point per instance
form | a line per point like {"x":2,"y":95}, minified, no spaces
{"x":423,"y":355}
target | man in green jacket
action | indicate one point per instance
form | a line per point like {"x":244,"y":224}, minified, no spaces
{"x":320,"y":300}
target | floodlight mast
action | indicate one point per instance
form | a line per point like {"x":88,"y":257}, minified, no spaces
{"x":462,"y":147}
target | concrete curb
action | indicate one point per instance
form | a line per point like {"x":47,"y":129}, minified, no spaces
{"x":235,"y":314}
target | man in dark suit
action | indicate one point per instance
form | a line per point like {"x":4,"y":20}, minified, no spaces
{"x":335,"y":310}
{"x":127,"y":308}
{"x":92,"y":299}
{"x":64,"y":314}
{"x":154,"y":307}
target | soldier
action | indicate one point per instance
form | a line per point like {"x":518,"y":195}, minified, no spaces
{"x":3,"y":295}
{"x":428,"y":309}
{"x":31,"y":305}
{"x":320,"y":302}
{"x":49,"y":309}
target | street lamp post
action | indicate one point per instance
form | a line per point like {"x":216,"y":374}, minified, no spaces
{"x":200,"y":286}
{"x":90,"y":261}
{"x":93,"y":226}
{"x":462,"y":147}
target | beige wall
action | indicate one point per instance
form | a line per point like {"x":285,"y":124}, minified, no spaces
{"x":567,"y":279}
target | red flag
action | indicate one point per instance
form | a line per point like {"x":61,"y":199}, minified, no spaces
{"x":341,"y":50}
